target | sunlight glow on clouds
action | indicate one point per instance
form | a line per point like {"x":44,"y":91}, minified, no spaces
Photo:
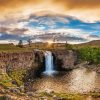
{"x":77,"y":8}
{"x":77,"y":20}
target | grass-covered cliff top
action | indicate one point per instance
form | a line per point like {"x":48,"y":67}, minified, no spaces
{"x":13,"y":48}
{"x":46,"y":46}
{"x":86,"y":52}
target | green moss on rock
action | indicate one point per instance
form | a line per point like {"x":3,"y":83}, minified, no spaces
{"x":6,"y":81}
{"x":18,"y":76}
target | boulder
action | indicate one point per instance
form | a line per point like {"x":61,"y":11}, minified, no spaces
{"x":14,"y":82}
{"x":14,"y":90}
{"x":49,"y":92}
{"x":22,"y":88}
{"x":55,"y":97}
{"x":30,"y":93}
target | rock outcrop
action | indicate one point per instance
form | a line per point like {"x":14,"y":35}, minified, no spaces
{"x":27,"y":60}
{"x":23,"y":67}
{"x":65,"y":59}
{"x":17,"y":60}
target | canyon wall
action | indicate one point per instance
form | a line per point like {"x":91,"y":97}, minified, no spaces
{"x":65,"y":59}
{"x":35,"y":59}
{"x":18,"y":60}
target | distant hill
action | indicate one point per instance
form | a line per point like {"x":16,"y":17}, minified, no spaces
{"x":95,"y":43}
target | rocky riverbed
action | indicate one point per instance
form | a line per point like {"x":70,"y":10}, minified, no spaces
{"x":14,"y":92}
{"x":18,"y":81}
{"x":19,"y":94}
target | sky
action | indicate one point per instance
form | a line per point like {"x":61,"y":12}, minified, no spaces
{"x":75,"y":21}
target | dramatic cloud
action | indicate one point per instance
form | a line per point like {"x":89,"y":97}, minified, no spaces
{"x":16,"y":31}
{"x":85,"y":10}
{"x":66,"y":35}
{"x":22,"y":19}
{"x":78,"y":3}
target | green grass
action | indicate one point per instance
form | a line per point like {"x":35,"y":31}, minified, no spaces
{"x":63,"y":96}
{"x":2,"y":97}
{"x":89,"y":54}
{"x":6,"y":81}
{"x":70,"y":96}
{"x":18,"y":75}
{"x":95,"y":95}
{"x":13,"y":48}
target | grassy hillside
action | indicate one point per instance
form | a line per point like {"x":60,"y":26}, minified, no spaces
{"x":12,"y":48}
{"x":95,"y":43}
{"x":90,"y":54}
{"x":56,"y":46}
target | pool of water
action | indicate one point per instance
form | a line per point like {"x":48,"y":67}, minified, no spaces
{"x":75,"y":81}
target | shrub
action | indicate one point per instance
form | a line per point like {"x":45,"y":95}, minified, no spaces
{"x":89,"y":54}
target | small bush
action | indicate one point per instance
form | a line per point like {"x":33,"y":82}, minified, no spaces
{"x":89,"y":54}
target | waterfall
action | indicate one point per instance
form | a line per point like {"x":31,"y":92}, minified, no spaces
{"x":49,"y":66}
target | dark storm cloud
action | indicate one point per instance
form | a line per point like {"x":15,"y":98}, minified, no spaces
{"x":13,"y":30}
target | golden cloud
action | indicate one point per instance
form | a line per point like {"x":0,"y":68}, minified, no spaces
{"x":9,"y":4}
{"x":85,"y":10}
{"x":71,"y":4}
{"x":15,"y":7}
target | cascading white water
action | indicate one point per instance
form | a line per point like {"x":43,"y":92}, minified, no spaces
{"x":49,"y":66}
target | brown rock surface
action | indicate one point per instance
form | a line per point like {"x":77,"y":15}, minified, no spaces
{"x":65,"y":59}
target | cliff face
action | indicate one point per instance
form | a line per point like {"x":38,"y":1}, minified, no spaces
{"x":28,"y":60}
{"x":65,"y":59}
{"x":23,"y":67}
{"x":17,"y":60}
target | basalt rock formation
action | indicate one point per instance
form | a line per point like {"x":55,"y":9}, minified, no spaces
{"x":35,"y":59}
{"x":23,"y":67}
{"x":18,"y":60}
{"x":65,"y":59}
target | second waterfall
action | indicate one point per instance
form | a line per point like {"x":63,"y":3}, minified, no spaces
{"x":49,"y":66}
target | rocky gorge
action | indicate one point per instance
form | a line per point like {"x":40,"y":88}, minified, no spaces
{"x":35,"y":59}
{"x":18,"y":71}
{"x":23,"y":67}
